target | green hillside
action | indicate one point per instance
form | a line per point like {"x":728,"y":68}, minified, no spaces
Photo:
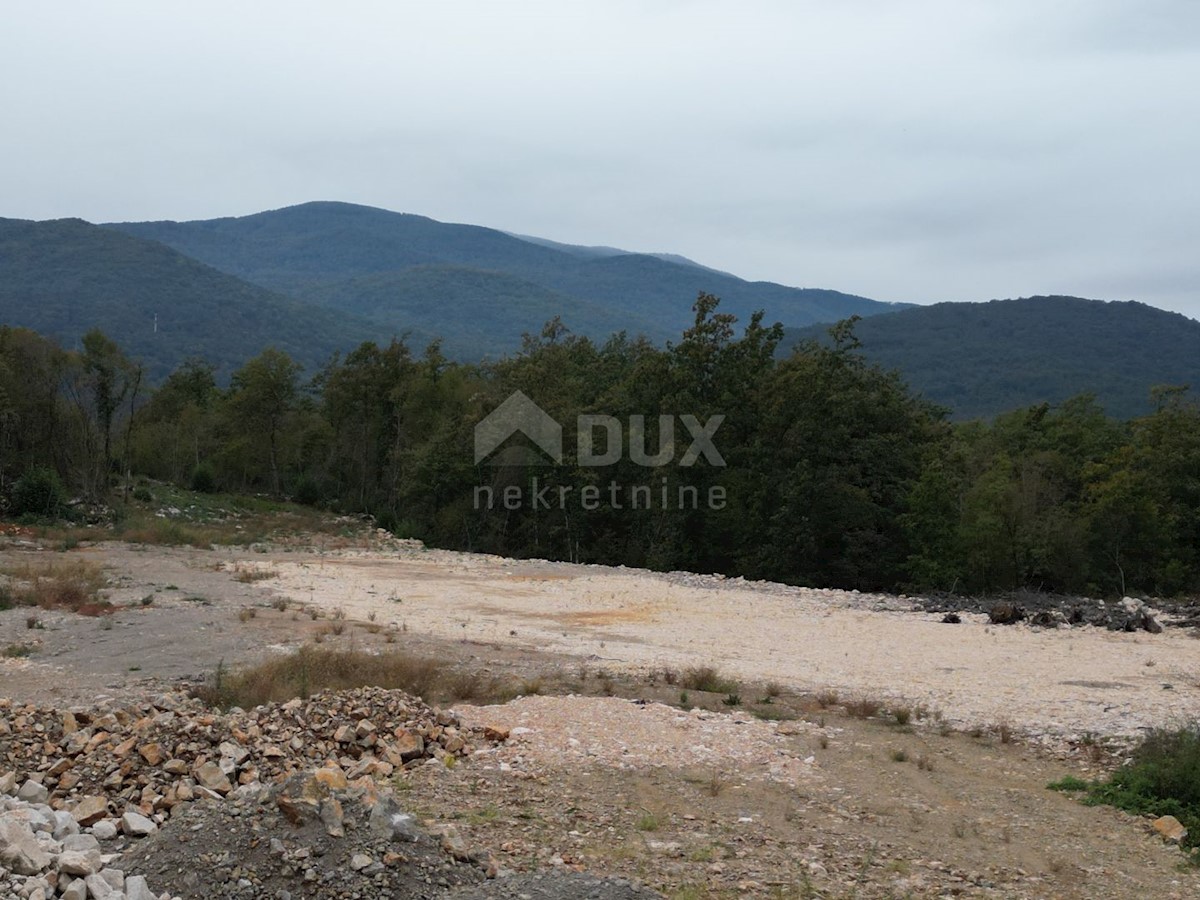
{"x":306,"y":250}
{"x":489,"y":311}
{"x":981,"y":359}
{"x":64,"y":277}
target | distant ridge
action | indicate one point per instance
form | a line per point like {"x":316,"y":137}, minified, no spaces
{"x":64,"y":277}
{"x":980,"y":359}
{"x":341,"y":255}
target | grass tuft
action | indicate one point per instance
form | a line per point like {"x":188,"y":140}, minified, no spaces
{"x":708,"y":679}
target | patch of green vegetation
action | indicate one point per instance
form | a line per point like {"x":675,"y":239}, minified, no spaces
{"x":1068,"y":784}
{"x":648,"y":821}
{"x":708,"y":679}
{"x":1162,"y":778}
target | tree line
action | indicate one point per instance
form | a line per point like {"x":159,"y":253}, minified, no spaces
{"x":836,"y":474}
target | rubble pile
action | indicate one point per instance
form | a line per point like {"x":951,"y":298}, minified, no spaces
{"x":45,"y":853}
{"x":316,"y":834}
{"x":171,"y":750}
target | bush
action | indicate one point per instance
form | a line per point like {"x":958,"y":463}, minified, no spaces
{"x":203,"y":479}
{"x":1162,"y":778}
{"x":307,"y":492}
{"x":708,"y":679}
{"x":39,"y":493}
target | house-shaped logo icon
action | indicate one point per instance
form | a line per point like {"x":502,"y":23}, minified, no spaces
{"x":518,"y":414}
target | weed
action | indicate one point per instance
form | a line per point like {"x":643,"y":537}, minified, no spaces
{"x":864,"y":708}
{"x":16,"y":651}
{"x":251,"y":574}
{"x":925,"y":763}
{"x":1069,"y":784}
{"x":902,"y":715}
{"x":147,"y":600}
{"x":707,"y":679}
{"x":825,"y":699}
{"x":732,"y":700}
{"x":716,"y":784}
{"x":32,"y":622}
{"x":648,"y":821}
{"x":899,"y":756}
{"x":245,"y":615}
{"x":279,"y":603}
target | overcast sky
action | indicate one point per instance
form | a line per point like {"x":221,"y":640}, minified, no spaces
{"x":917,"y":151}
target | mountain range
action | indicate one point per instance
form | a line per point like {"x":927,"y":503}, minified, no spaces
{"x":323,"y":277}
{"x":478,"y":288}
{"x":980,"y":359}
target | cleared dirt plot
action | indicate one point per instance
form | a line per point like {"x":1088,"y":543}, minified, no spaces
{"x":704,"y":737}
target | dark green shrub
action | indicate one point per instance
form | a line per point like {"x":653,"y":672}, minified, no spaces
{"x":39,"y":493}
{"x":1162,"y":778}
{"x":203,"y":479}
{"x":143,"y":495}
{"x":307,"y":491}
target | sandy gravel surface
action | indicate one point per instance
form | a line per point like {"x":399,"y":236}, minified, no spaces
{"x":626,"y":734}
{"x":1059,"y":682}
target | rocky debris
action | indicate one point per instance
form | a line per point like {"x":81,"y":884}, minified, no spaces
{"x":1170,"y":828}
{"x":318,"y":834}
{"x":1006,"y":613}
{"x":151,"y":757}
{"x":44,"y":855}
{"x":1043,"y":610}
{"x":1135,"y":615}
{"x":555,"y":886}
{"x":277,"y":842}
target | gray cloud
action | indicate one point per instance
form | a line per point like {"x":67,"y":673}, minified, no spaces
{"x":912,"y":151}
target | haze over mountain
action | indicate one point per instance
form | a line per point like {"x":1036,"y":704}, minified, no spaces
{"x":980,"y":359}
{"x":65,"y":277}
{"x":324,"y":277}
{"x":478,"y":287}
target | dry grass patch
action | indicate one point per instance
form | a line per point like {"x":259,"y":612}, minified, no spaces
{"x":708,"y":679}
{"x":55,"y":584}
{"x":312,"y":669}
{"x":863,"y":708}
{"x":251,"y":574}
